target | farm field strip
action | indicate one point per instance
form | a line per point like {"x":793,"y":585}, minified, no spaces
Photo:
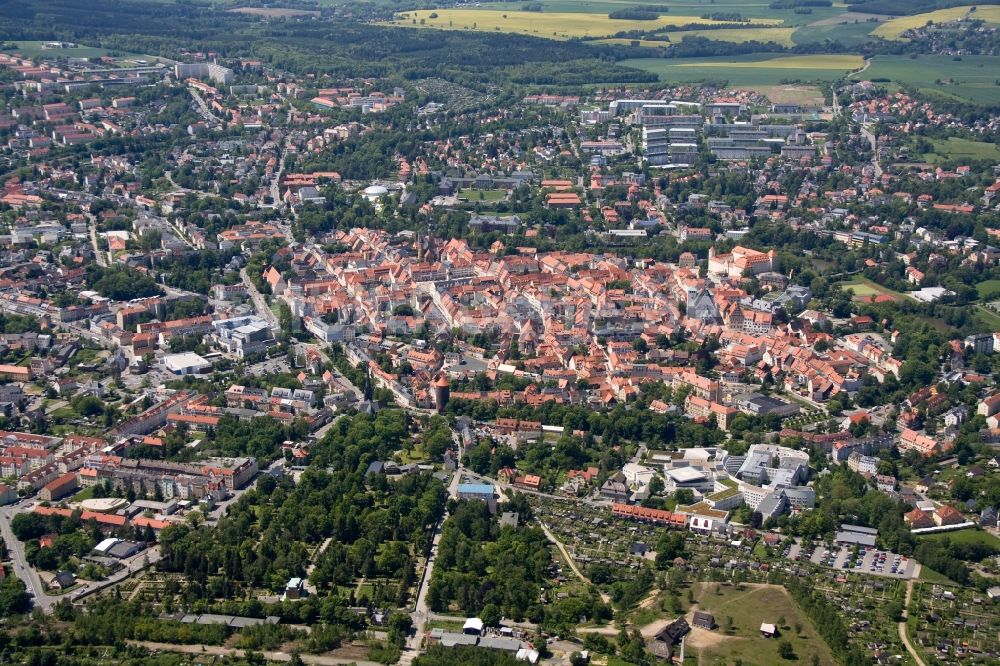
{"x":555,"y":25}
{"x":894,"y":28}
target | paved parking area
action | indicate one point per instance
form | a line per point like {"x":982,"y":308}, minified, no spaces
{"x":871,"y":561}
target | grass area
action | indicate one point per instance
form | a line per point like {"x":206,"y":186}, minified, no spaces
{"x":483,"y":195}
{"x":931,"y":576}
{"x":30,"y":49}
{"x":966,"y":79}
{"x":85,"y":494}
{"x":895,"y":28}
{"x":966,"y":536}
{"x":748,"y":608}
{"x":553,"y":25}
{"x":988,"y":287}
{"x":751,"y":70}
{"x":955,"y":148}
{"x":863,"y":287}
{"x":988,"y":319}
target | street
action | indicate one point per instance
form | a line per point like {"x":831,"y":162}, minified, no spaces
{"x":21,"y":567}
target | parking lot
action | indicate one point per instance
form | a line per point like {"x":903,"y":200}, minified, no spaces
{"x":871,"y":561}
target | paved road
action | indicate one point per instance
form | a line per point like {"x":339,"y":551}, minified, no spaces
{"x":203,"y":109}
{"x":102,"y":259}
{"x":21,"y":567}
{"x":259,"y":303}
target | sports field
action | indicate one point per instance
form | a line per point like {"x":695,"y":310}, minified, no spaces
{"x":553,"y":25}
{"x":751,"y":70}
{"x":895,"y":28}
{"x":965,"y":79}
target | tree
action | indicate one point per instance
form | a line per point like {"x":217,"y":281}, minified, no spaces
{"x":490,"y":615}
{"x":785,"y":650}
{"x":14,"y":599}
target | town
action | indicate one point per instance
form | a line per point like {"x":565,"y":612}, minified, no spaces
{"x":298,"y":365}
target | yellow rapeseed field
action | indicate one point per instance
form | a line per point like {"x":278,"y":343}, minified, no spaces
{"x":553,"y":25}
{"x":894,"y":28}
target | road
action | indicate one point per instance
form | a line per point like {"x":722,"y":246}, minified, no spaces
{"x":259,"y":303}
{"x":903,"y":636}
{"x":102,"y":260}
{"x":421,"y":613}
{"x":203,"y":107}
{"x":21,"y":567}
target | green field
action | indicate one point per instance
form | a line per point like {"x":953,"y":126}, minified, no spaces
{"x":988,"y":287}
{"x":988,"y":320}
{"x":966,"y":536}
{"x":777,"y":35}
{"x":748,"y":608}
{"x":967,"y":79}
{"x":955,"y":148}
{"x":849,"y":32}
{"x":751,"y":70}
{"x":863,"y":287}
{"x":894,"y":28}
{"x":931,"y":576}
{"x":35,"y":50}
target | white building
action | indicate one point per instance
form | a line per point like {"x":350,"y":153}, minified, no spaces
{"x":187,"y":363}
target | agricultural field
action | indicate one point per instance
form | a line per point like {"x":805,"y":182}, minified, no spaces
{"x":747,"y":608}
{"x":553,"y":25}
{"x":850,"y":29}
{"x":752,"y":70}
{"x":781,"y":36}
{"x":955,"y":148}
{"x":678,"y":8}
{"x":968,"y":79}
{"x":895,"y":28}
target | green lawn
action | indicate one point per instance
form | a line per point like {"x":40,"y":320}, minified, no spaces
{"x":966,"y":536}
{"x":863,"y":287}
{"x":987,"y":287}
{"x":988,"y":319}
{"x":967,"y":79}
{"x":931,"y":576}
{"x":955,"y":148}
{"x":748,"y":608}
{"x":35,"y":50}
{"x":751,"y":70}
{"x":490,"y":196}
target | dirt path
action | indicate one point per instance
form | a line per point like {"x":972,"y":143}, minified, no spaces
{"x":903,"y":636}
{"x":219,"y":651}
{"x":569,"y":560}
